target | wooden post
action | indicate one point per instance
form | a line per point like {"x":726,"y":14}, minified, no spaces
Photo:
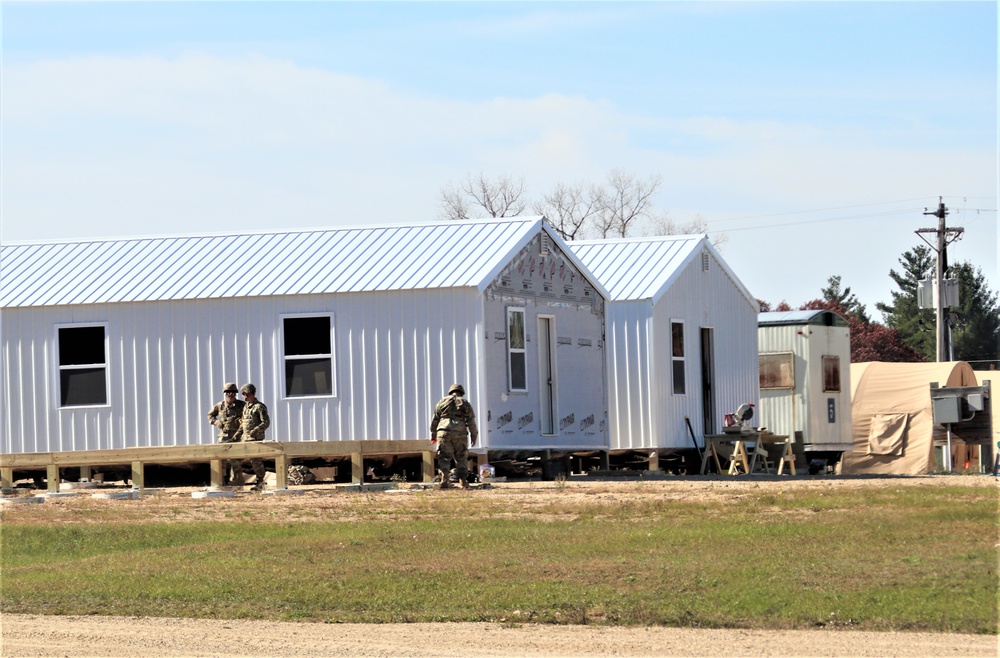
{"x":357,"y":468}
{"x":428,"y":465}
{"x":138,"y":476}
{"x":52,"y":475}
{"x":654,"y":461}
{"x":217,"y":472}
{"x":605,"y":461}
{"x":281,"y":471}
{"x":6,"y":479}
{"x":85,"y":473}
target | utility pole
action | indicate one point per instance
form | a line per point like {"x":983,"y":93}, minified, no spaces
{"x":945,"y":236}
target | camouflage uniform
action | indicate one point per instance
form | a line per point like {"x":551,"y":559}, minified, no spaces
{"x":454,"y":420}
{"x":253,"y":424}
{"x":226,"y":416}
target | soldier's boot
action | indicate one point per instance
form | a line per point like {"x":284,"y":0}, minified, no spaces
{"x":446,"y":479}
{"x":465,"y":483}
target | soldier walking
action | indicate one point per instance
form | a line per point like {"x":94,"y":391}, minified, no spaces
{"x":253,"y":424}
{"x":452,"y":423}
{"x":227,"y":416}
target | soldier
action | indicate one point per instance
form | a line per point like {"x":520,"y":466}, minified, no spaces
{"x":254,"y":422}
{"x":226,"y":415}
{"x":454,"y":419}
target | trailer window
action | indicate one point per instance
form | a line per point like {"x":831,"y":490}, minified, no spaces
{"x":776,"y":371}
{"x":677,"y":357}
{"x":308,"y":356}
{"x":83,"y":369}
{"x":516,"y":356}
{"x":831,"y":373}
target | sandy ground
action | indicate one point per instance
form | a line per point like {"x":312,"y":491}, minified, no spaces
{"x":30,"y":635}
{"x":123,"y":637}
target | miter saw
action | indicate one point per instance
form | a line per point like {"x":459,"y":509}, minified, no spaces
{"x":739,"y":421}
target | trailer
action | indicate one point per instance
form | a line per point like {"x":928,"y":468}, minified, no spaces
{"x":805,"y":359}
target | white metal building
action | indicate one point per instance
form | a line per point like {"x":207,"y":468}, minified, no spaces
{"x":681,"y":338}
{"x":805,"y":390}
{"x":349,"y":334}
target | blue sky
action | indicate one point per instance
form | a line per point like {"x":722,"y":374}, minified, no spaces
{"x":812,"y":134}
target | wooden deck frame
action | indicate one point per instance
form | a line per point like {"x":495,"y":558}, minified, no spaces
{"x":215,"y":454}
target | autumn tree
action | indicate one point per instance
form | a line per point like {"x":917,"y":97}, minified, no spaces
{"x":870,"y":341}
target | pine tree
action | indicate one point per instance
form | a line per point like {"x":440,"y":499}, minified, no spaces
{"x":844,"y":298}
{"x":976,"y":320}
{"x":915,"y":325}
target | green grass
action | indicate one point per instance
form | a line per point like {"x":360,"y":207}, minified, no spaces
{"x":874,"y":559}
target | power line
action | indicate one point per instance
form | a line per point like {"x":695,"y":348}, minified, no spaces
{"x":908,"y":211}
{"x":819,"y":210}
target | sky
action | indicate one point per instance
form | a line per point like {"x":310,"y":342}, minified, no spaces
{"x":811,"y":136}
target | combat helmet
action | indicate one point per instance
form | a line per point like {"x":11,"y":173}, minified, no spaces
{"x":456,"y":388}
{"x":230,"y":387}
{"x":248,"y":388}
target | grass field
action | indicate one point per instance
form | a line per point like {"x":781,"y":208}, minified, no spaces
{"x":868,"y":558}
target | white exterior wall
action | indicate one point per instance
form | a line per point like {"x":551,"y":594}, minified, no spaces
{"x":805,"y":408}
{"x":630,"y":357}
{"x":643,"y":410}
{"x":395,"y":354}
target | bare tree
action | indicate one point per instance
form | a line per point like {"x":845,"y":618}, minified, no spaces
{"x":625,"y":201}
{"x":569,"y":208}
{"x":621,"y":207}
{"x":663,"y":224}
{"x":499,"y":197}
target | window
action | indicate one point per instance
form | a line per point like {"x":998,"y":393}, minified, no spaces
{"x":308,"y":356}
{"x":677,"y":356}
{"x":831,"y":373}
{"x":83,"y":376}
{"x":516,"y":357}
{"x":776,"y":371}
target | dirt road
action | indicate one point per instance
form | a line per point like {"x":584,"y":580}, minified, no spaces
{"x":30,"y":636}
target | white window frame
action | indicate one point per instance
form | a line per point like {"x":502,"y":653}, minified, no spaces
{"x":674,"y":360}
{"x":511,"y":351}
{"x":285,"y":358}
{"x":60,"y":368}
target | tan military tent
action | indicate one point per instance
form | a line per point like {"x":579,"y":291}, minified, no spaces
{"x":893,"y":425}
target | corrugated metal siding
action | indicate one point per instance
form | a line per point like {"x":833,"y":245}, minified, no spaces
{"x":704,"y":299}
{"x":804,"y":408}
{"x":263,"y":264}
{"x":630,"y":345}
{"x":395,"y":356}
{"x":643,"y":411}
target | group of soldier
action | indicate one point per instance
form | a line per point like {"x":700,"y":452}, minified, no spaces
{"x":241,"y":420}
{"x":452,"y":423}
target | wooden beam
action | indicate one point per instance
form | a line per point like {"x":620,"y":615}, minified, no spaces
{"x":6,"y":479}
{"x":138,"y":475}
{"x":281,"y":471}
{"x":357,"y":468}
{"x":429,"y":466}
{"x":217,"y":471}
{"x":52,"y":475}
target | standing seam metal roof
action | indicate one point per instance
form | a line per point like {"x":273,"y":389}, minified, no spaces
{"x":358,"y":259}
{"x":645,"y":268}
